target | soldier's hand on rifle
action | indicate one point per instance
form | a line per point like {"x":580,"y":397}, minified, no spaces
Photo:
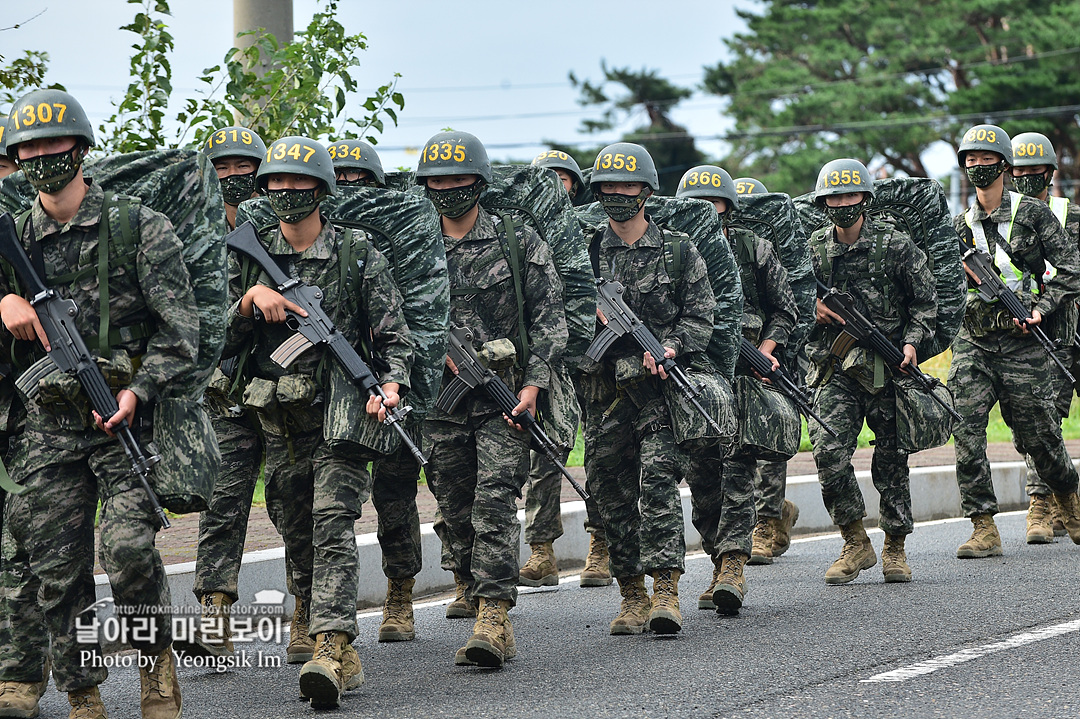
{"x":527,"y":402}
{"x":1035,"y":319}
{"x":451,"y":365}
{"x":601,"y":316}
{"x":271,"y":303}
{"x":910,"y":357}
{"x":767,"y":348}
{"x":825,"y":316}
{"x":650,"y":363}
{"x":127,"y":401}
{"x":377,"y":406}
{"x":21,"y":320}
{"x":971,"y":274}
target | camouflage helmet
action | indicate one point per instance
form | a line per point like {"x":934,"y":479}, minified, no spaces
{"x":708,"y":182}
{"x":453,"y":153}
{"x":3,"y":133}
{"x":234,"y":141}
{"x":839,"y":177}
{"x":357,"y":155}
{"x":985,"y":137}
{"x":47,"y":113}
{"x":296,"y":155}
{"x":749,"y":186}
{"x":1033,"y":148}
{"x":625,"y":162}
{"x":559,"y":160}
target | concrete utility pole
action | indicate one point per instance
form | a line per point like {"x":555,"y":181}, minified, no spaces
{"x":276,"y":16}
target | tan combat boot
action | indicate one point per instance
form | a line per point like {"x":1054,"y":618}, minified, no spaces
{"x":1040,"y":529}
{"x":301,"y":646}
{"x":789,"y":515}
{"x":704,"y":600}
{"x":894,"y":559}
{"x":1068,"y":506}
{"x":160,"y":697}
{"x":857,"y":555}
{"x":731,"y":588}
{"x":597,"y":571}
{"x":334,"y":668}
{"x":665,"y":617}
{"x":985,"y":540}
{"x":761,"y":547}
{"x":19,"y":699}
{"x":634,"y":611}
{"x":1055,"y":514}
{"x":461,"y":608}
{"x":86,"y":704}
{"x":541,"y":569}
{"x":492,"y":642}
{"x":211,"y":636}
{"x":398,"y":624}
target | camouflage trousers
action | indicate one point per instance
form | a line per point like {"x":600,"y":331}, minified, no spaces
{"x":55,"y":543}
{"x":844,"y":404}
{"x":1071,"y":358}
{"x":543,"y":496}
{"x":1019,"y":376}
{"x":476,"y":469}
{"x":394,"y":481}
{"x":320,"y":488}
{"x":770,"y":488}
{"x":24,"y":638}
{"x":722,"y":500}
{"x":634,"y":469}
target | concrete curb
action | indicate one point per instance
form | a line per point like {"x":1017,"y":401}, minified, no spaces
{"x":933,"y":490}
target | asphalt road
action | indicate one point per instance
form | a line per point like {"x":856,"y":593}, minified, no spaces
{"x":982,"y":638}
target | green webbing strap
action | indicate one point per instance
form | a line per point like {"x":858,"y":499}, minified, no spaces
{"x":674,"y":245}
{"x":249,"y":274}
{"x":8,"y":484}
{"x":510,"y":227}
{"x":103,"y":278}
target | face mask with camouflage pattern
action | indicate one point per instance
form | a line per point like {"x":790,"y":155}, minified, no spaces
{"x":984,"y":175}
{"x":1031,"y":185}
{"x":291,"y":206}
{"x":52,"y":173}
{"x":456,"y":201}
{"x":848,"y":215}
{"x":622,"y":208}
{"x":237,"y":188}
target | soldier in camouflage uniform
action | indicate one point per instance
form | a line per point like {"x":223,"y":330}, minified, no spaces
{"x":857,"y":386}
{"x":631,"y":456}
{"x":723,"y":511}
{"x":994,"y":357}
{"x":543,"y":491}
{"x":1034,"y":163}
{"x":66,"y":463}
{"x":479,"y":459}
{"x":320,"y":481}
{"x":356,"y":164}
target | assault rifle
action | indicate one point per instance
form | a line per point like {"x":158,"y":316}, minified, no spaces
{"x":621,"y":321}
{"x":859,"y":328}
{"x":316,"y":328}
{"x":992,"y":288}
{"x":472,"y":374}
{"x":757,"y":361}
{"x":69,"y":354}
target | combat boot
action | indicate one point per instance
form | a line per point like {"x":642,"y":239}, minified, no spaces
{"x":1055,"y":514}
{"x":705,"y":600}
{"x":789,"y":515}
{"x":160,"y":697}
{"x":334,"y":668}
{"x":634,"y":610}
{"x":665,"y":617}
{"x":86,"y":704}
{"x":492,"y":642}
{"x":398,"y":624}
{"x":894,"y":559}
{"x":761,"y":547}
{"x":301,"y":646}
{"x":1040,"y":530}
{"x":19,"y":699}
{"x":985,"y":540}
{"x":857,"y":555}
{"x":461,"y":608}
{"x":731,"y":587}
{"x":541,"y":569}
{"x":1069,"y":507}
{"x":597,"y":571}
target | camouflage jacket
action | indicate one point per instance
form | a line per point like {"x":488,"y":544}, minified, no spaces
{"x":902,"y":302}
{"x":680,"y":314}
{"x":152,"y":287}
{"x":769,"y":309}
{"x":1037,"y":238}
{"x":319,"y":265}
{"x":483,"y":300}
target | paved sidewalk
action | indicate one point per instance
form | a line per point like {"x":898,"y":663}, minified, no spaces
{"x":178,"y":544}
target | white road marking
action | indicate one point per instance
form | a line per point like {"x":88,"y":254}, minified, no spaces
{"x":966,"y":655}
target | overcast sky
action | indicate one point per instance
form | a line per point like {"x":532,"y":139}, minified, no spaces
{"x":496,"y":69}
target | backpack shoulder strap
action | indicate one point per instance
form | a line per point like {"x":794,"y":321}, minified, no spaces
{"x":509,"y":227}
{"x":673,"y":251}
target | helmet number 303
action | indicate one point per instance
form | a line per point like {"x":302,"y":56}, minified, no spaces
{"x":618,"y":161}
{"x":41,"y":113}
{"x":980,"y":134}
